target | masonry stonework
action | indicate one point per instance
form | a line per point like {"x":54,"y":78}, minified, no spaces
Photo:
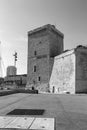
{"x":43,"y":44}
{"x":69,"y":72}
{"x":81,"y":71}
{"x":63,"y":73}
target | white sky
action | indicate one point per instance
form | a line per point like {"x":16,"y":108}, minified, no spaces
{"x":17,"y":17}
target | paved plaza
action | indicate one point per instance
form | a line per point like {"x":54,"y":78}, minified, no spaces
{"x":69,"y":111}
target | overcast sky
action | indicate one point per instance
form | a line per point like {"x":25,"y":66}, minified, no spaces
{"x":17,"y":17}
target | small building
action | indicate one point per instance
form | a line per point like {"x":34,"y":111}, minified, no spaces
{"x":1,"y":82}
{"x":11,"y":70}
{"x":15,"y":81}
{"x":69,"y":74}
{"x":12,"y":80}
{"x":44,"y":43}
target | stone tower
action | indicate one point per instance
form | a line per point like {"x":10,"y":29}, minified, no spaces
{"x":44,"y":44}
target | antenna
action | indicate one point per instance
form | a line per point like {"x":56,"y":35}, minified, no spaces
{"x":15,"y":58}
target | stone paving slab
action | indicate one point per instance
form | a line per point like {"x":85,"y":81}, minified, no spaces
{"x":24,"y":123}
{"x":43,"y":123}
{"x":4,"y":121}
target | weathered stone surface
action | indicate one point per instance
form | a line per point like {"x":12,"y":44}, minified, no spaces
{"x":26,"y":123}
{"x":81,"y":70}
{"x":69,"y":72}
{"x":63,"y":74}
{"x":43,"y":44}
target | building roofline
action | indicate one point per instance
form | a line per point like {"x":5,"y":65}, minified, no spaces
{"x":65,"y":53}
{"x":16,"y":75}
{"x":80,"y":46}
{"x":69,"y":52}
{"x":47,"y":26}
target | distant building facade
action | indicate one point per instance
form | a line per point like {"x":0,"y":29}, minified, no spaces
{"x":69,"y":72}
{"x":11,"y":70}
{"x":1,"y":82}
{"x":12,"y":80}
{"x":15,"y":81}
{"x":44,"y":44}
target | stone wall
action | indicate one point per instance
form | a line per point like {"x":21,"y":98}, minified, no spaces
{"x":56,"y":44}
{"x":63,"y":74}
{"x":38,"y":44}
{"x":43,"y":45}
{"x":40,"y":60}
{"x":81,"y":70}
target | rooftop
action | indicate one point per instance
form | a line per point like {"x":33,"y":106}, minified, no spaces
{"x":69,"y":52}
{"x":47,"y":26}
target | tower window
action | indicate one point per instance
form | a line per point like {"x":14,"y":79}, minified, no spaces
{"x":39,"y":78}
{"x":35,"y":68}
{"x":40,"y":42}
{"x":35,"y":53}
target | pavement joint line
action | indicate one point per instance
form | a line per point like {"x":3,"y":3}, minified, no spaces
{"x":8,"y":123}
{"x":14,"y":102}
{"x":67,"y":115}
{"x":31,"y":123}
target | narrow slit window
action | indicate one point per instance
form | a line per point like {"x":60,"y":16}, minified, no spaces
{"x":35,"y":53}
{"x":39,"y":78}
{"x":35,"y":68}
{"x":40,"y":42}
